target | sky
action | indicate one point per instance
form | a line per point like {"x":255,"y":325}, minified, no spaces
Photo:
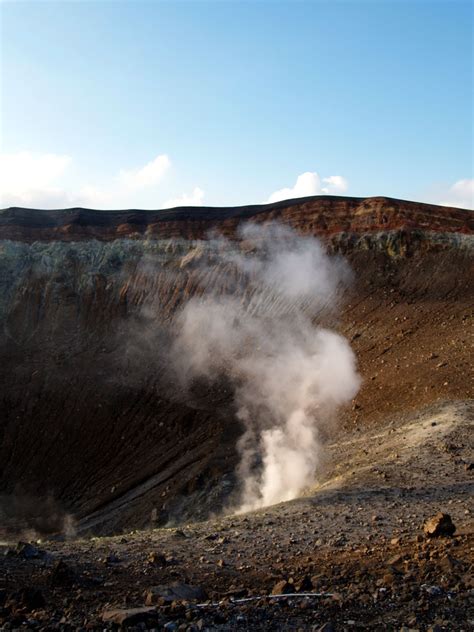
{"x":148,"y":104}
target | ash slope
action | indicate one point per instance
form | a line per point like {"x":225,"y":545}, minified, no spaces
{"x":90,"y":417}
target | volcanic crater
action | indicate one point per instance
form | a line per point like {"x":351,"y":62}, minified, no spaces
{"x":98,"y":438}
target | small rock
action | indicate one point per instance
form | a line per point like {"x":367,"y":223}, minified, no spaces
{"x":28,"y":551}
{"x":282,"y":588}
{"x":386,"y":580}
{"x":130,"y":616}
{"x":439,"y":525}
{"x":305,"y":585}
{"x":327,"y":627}
{"x":174,"y":592}
{"x":432,"y":591}
{"x":112,"y":558}
{"x":157,"y":559}
{"x":396,"y":560}
{"x":62,"y":575}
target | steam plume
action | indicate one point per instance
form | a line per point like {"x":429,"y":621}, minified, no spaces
{"x":264,"y":333}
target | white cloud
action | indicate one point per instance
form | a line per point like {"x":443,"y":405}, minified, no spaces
{"x":147,"y":176}
{"x":195,"y":199}
{"x":28,"y":178}
{"x":335,"y":185}
{"x":125,"y":189}
{"x":310,"y":183}
{"x":460,"y":194}
{"x":37,"y":180}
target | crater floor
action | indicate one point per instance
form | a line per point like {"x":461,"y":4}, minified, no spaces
{"x":356,"y":538}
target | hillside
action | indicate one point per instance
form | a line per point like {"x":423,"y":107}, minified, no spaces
{"x":92,"y":423}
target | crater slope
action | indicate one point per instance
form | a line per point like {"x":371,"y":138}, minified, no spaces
{"x":93,"y":425}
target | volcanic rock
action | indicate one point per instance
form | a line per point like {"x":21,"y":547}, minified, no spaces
{"x":282,"y":588}
{"x":112,"y":558}
{"x":130,"y":616}
{"x":62,"y":574}
{"x":305,"y":585}
{"x":327,"y":627}
{"x":174,"y":592}
{"x":29,"y":552}
{"x":157,"y":559}
{"x":439,"y":525}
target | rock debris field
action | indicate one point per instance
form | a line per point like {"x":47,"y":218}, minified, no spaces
{"x":356,"y":552}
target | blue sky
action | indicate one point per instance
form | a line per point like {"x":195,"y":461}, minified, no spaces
{"x":119,"y":104}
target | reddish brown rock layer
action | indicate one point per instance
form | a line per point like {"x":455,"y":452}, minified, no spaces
{"x":321,"y":215}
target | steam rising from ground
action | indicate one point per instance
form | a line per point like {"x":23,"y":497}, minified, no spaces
{"x":29,"y":517}
{"x":289,"y":373}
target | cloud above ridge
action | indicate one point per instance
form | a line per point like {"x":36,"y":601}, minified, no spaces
{"x":460,"y":194}
{"x":196,"y":198}
{"x":310,"y":183}
{"x":149,"y":175}
{"x":28,"y":178}
{"x":37,"y":180}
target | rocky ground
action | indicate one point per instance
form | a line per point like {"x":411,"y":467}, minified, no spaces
{"x":351,"y":554}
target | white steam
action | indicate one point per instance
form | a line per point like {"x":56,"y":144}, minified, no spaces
{"x":289,"y":373}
